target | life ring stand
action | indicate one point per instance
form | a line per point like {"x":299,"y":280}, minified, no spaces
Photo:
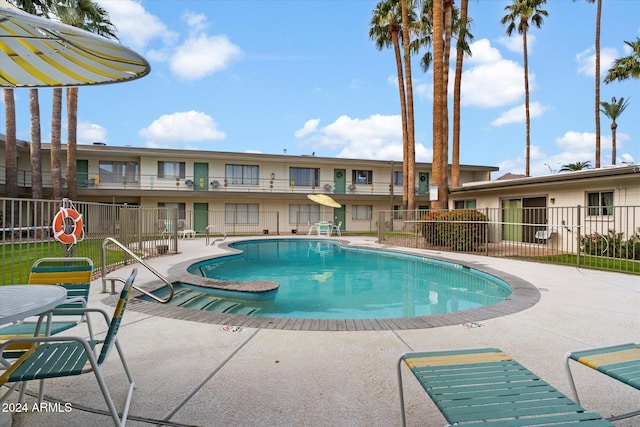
{"x":68,"y":226}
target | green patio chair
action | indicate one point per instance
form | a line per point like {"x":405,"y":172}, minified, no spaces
{"x":72,"y":273}
{"x":64,"y":356}
{"x":324,"y":228}
{"x":485,"y":387}
{"x":621,"y":362}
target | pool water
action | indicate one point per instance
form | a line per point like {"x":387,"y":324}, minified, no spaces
{"x":320,"y":279}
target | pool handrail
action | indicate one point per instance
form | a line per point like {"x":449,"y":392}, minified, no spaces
{"x":213,"y":228}
{"x":111,"y":240}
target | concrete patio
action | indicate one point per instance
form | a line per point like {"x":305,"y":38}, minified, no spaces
{"x":193,"y":373}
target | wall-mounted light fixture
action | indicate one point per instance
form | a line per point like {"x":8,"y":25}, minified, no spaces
{"x":552,"y":200}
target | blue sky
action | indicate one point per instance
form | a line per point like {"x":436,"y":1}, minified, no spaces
{"x":302,"y":76}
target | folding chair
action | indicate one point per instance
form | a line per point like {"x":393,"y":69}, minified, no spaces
{"x":72,"y":273}
{"x":63,"y":356}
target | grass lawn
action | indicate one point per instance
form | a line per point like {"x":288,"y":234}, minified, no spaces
{"x":18,"y":257}
{"x":600,"y":263}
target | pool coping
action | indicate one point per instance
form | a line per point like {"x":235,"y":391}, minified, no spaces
{"x":523,"y":296}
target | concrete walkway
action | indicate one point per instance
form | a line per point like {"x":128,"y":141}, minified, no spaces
{"x":206,"y":374}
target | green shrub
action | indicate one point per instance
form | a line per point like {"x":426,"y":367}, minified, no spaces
{"x":612,"y":245}
{"x":458,"y":230}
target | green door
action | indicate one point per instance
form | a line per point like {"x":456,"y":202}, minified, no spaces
{"x":512,"y":220}
{"x":200,"y":216}
{"x":423,"y":184}
{"x":82,"y":173}
{"x":200,"y":176}
{"x":339,"y":217}
{"x":339,"y":181}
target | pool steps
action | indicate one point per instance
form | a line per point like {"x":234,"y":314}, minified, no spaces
{"x":191,"y":299}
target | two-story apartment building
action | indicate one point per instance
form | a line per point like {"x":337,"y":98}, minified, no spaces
{"x":242,"y":185}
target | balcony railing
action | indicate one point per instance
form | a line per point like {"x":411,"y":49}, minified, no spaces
{"x":217,"y":184}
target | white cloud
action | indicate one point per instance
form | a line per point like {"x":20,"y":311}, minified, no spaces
{"x":576,"y":142}
{"x":425,"y":89}
{"x":517,"y":114}
{"x":376,"y":137}
{"x":188,"y":126}
{"x":135,"y":26}
{"x":492,"y":81}
{"x":89,"y":133}
{"x":577,"y":147}
{"x":587,"y":60}
{"x":197,"y":22}
{"x":309,"y":127}
{"x":198,"y":56}
{"x":514,"y":43}
{"x":203,"y":55}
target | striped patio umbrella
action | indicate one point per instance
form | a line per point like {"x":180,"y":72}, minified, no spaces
{"x":324,"y":200}
{"x":38,"y":52}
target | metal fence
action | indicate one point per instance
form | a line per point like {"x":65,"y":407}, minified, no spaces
{"x":599,"y":237}
{"x":603,"y":237}
{"x":27,"y":233}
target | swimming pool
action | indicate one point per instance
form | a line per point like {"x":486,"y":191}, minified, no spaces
{"x":321,"y":279}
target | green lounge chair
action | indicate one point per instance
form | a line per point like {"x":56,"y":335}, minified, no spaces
{"x":485,"y":387}
{"x":63,"y":356}
{"x":621,"y":362}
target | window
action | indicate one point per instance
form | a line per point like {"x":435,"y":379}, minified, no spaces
{"x":362,"y":177}
{"x":119,"y":172}
{"x":241,"y":213}
{"x":304,"y":214}
{"x":464,"y":204}
{"x":171,"y":170}
{"x":600,"y":203}
{"x":361,"y":212}
{"x":304,"y":177}
{"x":397,"y":178}
{"x":164,"y":213}
{"x":398,"y":212}
{"x":241,"y":174}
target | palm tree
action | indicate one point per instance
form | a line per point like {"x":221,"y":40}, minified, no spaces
{"x":452,"y":25}
{"x":56,"y":149}
{"x":83,"y":14}
{"x":72,"y":135}
{"x":35,"y":146}
{"x":577,"y":166}
{"x":10,"y":149}
{"x":597,"y":103}
{"x":462,"y":47}
{"x":411,"y":149}
{"x":11,"y":154}
{"x":446,"y":58}
{"x":613,"y":111}
{"x":385,"y":31}
{"x":520,"y":13}
{"x":90,"y":16}
{"x":627,"y":66}
{"x":439,"y":173}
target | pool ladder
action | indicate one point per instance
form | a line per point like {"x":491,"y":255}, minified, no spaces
{"x":113,"y":280}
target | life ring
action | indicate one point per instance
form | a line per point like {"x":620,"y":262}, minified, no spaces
{"x":60,"y":226}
